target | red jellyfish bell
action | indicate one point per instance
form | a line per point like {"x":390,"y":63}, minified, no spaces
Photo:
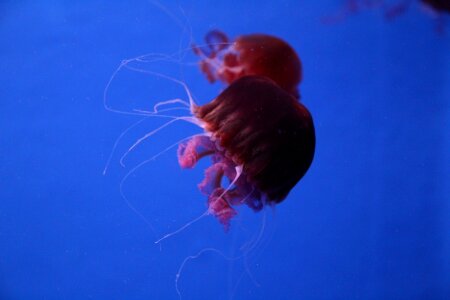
{"x":253,"y":54}
{"x":260,"y":138}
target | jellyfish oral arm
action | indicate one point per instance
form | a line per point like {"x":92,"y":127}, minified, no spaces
{"x":219,"y":58}
{"x":217,"y":69}
{"x":220,"y":200}
{"x":195,"y":149}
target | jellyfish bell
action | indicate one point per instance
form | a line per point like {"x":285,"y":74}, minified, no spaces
{"x":259,"y":137}
{"x":252,"y":54}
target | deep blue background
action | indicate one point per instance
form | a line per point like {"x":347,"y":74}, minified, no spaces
{"x":371,"y":220}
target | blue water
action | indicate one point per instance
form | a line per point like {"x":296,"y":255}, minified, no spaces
{"x":370,"y":220}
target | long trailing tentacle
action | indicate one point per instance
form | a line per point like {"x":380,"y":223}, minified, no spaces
{"x":140,"y":165}
{"x":189,"y":119}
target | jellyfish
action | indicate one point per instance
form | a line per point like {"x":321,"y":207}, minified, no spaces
{"x":391,"y":9}
{"x":252,"y":54}
{"x":259,"y":137}
{"x":442,"y":6}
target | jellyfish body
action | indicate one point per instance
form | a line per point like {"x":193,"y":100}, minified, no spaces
{"x":438,"y":5}
{"x":390,"y":9}
{"x":260,"y":138}
{"x":253,"y":54}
